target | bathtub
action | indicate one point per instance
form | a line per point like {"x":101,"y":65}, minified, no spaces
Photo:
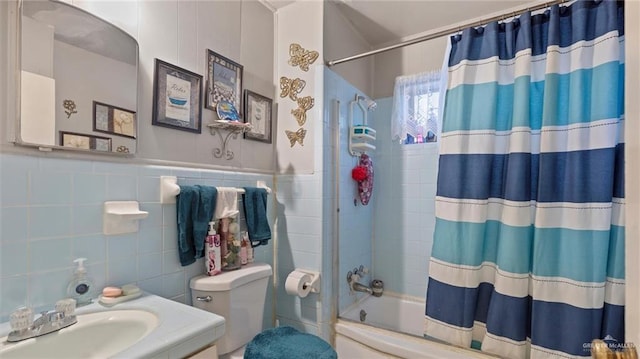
{"x":392,"y":329}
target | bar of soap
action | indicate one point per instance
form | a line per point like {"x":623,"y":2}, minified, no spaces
{"x":111,"y":292}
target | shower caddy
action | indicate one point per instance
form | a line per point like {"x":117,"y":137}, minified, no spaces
{"x":360,"y":136}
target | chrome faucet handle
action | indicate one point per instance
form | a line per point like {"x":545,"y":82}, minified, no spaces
{"x":42,"y":319}
{"x":363,"y":270}
{"x":56,"y":316}
{"x":56,"y":319}
{"x":21,"y":319}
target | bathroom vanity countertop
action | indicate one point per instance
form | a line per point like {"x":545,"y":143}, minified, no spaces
{"x":182,"y":329}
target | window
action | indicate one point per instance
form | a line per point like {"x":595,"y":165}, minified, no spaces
{"x":416,"y":104}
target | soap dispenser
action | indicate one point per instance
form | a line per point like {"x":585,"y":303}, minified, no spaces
{"x":80,"y":287}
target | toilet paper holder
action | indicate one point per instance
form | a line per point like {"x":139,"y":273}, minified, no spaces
{"x":315,"y":280}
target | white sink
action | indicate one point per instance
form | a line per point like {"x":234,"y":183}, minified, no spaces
{"x":96,"y":335}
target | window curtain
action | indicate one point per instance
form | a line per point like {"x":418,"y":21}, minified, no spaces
{"x":528,"y":253}
{"x":407,"y":117}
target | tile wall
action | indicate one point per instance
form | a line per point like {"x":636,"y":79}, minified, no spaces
{"x":51,"y":213}
{"x":355,"y":221}
{"x":404,"y":218}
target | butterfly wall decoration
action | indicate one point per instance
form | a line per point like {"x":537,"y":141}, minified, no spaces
{"x":300,"y":113}
{"x":291,"y":87}
{"x":301,"y":57}
{"x":297,"y":136}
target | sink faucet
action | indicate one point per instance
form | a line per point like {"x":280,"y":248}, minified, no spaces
{"x":48,"y":322}
{"x":353,"y":277}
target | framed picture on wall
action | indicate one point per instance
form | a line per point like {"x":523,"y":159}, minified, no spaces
{"x":113,"y":120}
{"x":177,"y":98}
{"x":224,"y":81}
{"x":85,"y":142}
{"x":257,"y":112}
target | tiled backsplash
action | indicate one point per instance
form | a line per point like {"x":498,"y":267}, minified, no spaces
{"x":51,"y":213}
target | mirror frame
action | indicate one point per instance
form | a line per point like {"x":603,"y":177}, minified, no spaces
{"x":17,"y":138}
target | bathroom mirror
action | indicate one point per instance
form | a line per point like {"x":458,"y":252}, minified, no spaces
{"x":78,"y":81}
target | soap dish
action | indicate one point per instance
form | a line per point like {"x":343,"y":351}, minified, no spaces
{"x":110,"y":301}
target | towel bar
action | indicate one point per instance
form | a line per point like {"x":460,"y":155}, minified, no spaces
{"x":169,"y":189}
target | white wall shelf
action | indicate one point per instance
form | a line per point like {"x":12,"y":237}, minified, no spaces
{"x":121,"y":217}
{"x":233,"y":128}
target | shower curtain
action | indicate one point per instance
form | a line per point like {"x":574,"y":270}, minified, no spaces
{"x":528,"y":253}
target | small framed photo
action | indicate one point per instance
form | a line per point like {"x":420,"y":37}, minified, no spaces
{"x":224,"y":81}
{"x":177,"y":98}
{"x":113,"y":120}
{"x":257,"y":112}
{"x":84,"y":141}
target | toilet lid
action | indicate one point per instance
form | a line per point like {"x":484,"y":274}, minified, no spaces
{"x":227,"y":280}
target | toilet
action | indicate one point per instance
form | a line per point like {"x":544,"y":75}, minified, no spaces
{"x":239,"y":296}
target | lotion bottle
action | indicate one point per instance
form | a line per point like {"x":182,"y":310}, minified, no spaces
{"x":245,"y":239}
{"x":80,"y":286}
{"x":213,"y":260}
{"x":243,"y":252}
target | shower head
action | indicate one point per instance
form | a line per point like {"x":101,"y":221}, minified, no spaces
{"x":371,"y":105}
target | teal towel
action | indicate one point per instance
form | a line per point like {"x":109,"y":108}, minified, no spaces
{"x":288,"y":343}
{"x":255,"y":214}
{"x":202,"y":215}
{"x":185,"y":201}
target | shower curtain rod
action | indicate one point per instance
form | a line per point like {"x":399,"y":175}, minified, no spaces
{"x":447,"y":31}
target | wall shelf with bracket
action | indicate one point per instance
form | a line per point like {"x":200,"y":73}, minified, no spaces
{"x":232,"y":128}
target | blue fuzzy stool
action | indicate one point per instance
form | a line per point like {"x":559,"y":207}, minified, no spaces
{"x":288,"y":343}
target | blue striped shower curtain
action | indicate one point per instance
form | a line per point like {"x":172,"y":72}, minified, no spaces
{"x":528,"y":253}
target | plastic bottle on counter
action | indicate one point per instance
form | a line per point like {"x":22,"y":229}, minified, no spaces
{"x":80,"y":286}
{"x":243,"y":250}
{"x":245,"y":238}
{"x":213,"y":256}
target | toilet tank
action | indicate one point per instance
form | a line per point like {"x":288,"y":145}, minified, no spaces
{"x":239,"y":296}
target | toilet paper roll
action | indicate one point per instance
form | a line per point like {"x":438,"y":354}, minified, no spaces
{"x":297,"y":283}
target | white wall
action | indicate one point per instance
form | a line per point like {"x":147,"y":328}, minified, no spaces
{"x":425,"y":56}
{"x":37,"y":58}
{"x":180,"y":32}
{"x":301,"y":240}
{"x":304,"y":29}
{"x":78,"y":67}
{"x":342,"y":39}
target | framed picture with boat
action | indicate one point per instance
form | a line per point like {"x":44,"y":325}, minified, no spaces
{"x":224,"y":81}
{"x":177,"y":98}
